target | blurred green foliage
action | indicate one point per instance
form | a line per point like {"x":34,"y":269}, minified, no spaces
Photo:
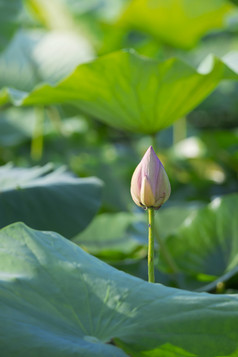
{"x":88,"y":86}
{"x":97,"y":112}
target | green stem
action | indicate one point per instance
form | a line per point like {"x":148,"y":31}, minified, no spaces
{"x":167,"y":257}
{"x":151,"y":273}
{"x":37,"y":139}
{"x":54,"y":116}
{"x":220,"y":287}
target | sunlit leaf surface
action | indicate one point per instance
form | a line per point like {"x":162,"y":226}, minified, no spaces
{"x":59,"y":301}
{"x":131,"y":92}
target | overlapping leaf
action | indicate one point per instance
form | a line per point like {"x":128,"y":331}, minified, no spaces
{"x":181,"y":23}
{"x":131,"y":92}
{"x":34,"y":57}
{"x":207,"y":242}
{"x":48,"y":200}
{"x":113,"y":236}
{"x":57,"y":300}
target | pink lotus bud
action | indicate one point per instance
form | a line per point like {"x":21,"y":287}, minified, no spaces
{"x":150,"y":186}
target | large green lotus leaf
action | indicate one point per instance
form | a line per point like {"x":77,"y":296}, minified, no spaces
{"x":56,"y":300}
{"x":180,"y":23}
{"x":37,"y":56}
{"x":113,"y":236}
{"x":48,"y":200}
{"x":131,"y":92}
{"x":9,"y":19}
{"x":207,"y":242}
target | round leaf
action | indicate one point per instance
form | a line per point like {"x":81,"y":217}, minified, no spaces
{"x":131,"y":92}
{"x":48,"y":200}
{"x":180,"y":23}
{"x":56,"y":300}
{"x":207,"y":241}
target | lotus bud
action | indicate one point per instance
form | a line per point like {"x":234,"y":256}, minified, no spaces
{"x":150,"y":186}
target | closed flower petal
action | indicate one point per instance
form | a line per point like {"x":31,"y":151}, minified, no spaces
{"x":150,"y":186}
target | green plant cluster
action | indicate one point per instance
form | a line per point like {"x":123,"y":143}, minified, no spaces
{"x":85,"y":88}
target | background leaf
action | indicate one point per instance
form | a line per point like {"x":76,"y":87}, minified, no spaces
{"x":168,"y":220}
{"x":36,"y":56}
{"x":169,"y":21}
{"x":207,"y":242}
{"x":58,"y":300}
{"x":113,"y":236}
{"x":9,"y":19}
{"x":16,"y":126}
{"x":131,"y":92}
{"x":48,"y":200}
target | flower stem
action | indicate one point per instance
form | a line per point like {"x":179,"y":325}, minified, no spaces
{"x":54,"y":116}
{"x":37,"y":138}
{"x":151,"y":273}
